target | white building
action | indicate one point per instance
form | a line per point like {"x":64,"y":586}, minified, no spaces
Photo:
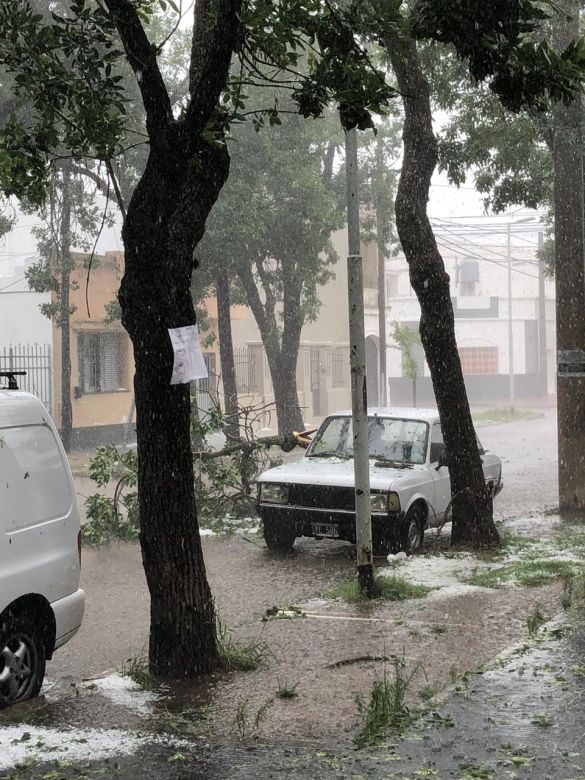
{"x":26,"y":335}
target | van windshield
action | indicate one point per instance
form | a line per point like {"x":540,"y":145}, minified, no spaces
{"x":390,"y":438}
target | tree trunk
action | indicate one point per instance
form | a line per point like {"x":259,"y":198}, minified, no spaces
{"x":226,"y":354}
{"x":283,"y":372}
{"x":65,"y":314}
{"x":473,"y":523}
{"x":165,"y":220}
{"x":569,"y":277}
{"x":282,"y":351}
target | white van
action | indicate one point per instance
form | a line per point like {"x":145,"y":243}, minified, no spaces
{"x":41,"y":604}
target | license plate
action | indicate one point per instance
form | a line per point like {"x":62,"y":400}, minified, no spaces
{"x":325,"y":529}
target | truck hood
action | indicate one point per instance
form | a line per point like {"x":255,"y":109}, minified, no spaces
{"x":336,"y":472}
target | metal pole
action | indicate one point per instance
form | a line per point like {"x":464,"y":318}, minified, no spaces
{"x":380,"y":230}
{"x":357,"y":340}
{"x":542,"y":353}
{"x":510,"y":328}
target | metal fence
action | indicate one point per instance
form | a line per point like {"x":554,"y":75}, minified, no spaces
{"x":36,"y":360}
{"x":207,"y":388}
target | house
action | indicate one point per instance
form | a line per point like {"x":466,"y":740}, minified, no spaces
{"x":102,"y":364}
{"x":484,"y":282}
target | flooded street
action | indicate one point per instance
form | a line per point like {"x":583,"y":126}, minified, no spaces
{"x":330,"y":652}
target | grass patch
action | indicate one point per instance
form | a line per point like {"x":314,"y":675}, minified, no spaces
{"x":535,"y":619}
{"x":248,"y":724}
{"x":136,"y":668}
{"x":243,"y":656}
{"x":386,"y":711}
{"x":504,"y":414}
{"x":529,"y":574}
{"x":287,"y":690}
{"x":385,"y":589}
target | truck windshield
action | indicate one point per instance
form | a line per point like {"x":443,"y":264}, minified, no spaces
{"x":390,"y":439}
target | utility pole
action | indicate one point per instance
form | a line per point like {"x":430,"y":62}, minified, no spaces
{"x":511,"y":391}
{"x":381,"y":246}
{"x":569,"y":279}
{"x":542,"y":353}
{"x":357,"y":351}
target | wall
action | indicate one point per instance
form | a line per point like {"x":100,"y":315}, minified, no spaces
{"x":21,"y":321}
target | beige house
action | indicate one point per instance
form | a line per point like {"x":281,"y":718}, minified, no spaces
{"x":102,"y":365}
{"x":323,"y":377}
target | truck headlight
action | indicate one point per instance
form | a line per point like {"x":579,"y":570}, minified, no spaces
{"x":393,"y":502}
{"x":379,"y":502}
{"x":272,"y":493}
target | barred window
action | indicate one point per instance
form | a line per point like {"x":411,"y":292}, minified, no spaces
{"x":100,"y":357}
{"x":340,"y":369}
{"x":479,"y":360}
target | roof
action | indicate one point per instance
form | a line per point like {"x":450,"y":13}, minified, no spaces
{"x":401,"y":412}
{"x":20,"y":408}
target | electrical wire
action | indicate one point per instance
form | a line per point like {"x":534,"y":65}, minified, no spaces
{"x":451,"y":246}
{"x":507,"y":258}
{"x":12,"y":284}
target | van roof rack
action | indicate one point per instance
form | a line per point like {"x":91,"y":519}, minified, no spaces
{"x":11,"y":376}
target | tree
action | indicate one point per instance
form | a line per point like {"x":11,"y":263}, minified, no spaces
{"x":76,"y":107}
{"x":497,"y":48}
{"x":533,"y":158}
{"x":271,"y":227}
{"x":406,"y":338}
{"x":70,"y":221}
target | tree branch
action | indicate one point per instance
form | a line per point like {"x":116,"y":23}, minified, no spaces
{"x":81,"y":170}
{"x":141,"y":55}
{"x":215,"y":36}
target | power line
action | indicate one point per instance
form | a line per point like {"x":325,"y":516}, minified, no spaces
{"x":12,"y":284}
{"x":456,"y":248}
{"x":496,"y":229}
{"x":507,"y":258}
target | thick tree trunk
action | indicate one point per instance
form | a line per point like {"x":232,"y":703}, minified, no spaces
{"x":473,"y":523}
{"x":283,"y":371}
{"x":166,"y":219}
{"x":65,"y":314}
{"x":226,"y":354}
{"x":282,"y":350}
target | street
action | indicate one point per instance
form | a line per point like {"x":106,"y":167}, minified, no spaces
{"x":333,"y":655}
{"x":246,"y":580}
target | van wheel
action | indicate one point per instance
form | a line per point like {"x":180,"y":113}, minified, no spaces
{"x":22,"y":662}
{"x":278,"y":537}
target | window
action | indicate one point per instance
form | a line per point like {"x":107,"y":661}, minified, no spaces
{"x":468,"y":272}
{"x":392,"y":286}
{"x":100,"y":358}
{"x":479,"y":360}
{"x":340,"y":369}
{"x":389,"y":439}
{"x":437,"y":443}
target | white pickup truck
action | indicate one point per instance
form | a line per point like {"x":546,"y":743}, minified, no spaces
{"x":409,"y":482}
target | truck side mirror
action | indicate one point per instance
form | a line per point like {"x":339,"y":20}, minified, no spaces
{"x":442,"y":459}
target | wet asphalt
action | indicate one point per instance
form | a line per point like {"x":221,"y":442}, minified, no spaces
{"x":521,"y":717}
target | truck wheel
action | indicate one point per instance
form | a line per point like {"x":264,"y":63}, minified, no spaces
{"x":278,"y":537}
{"x":22,"y":662}
{"x":413,"y":531}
